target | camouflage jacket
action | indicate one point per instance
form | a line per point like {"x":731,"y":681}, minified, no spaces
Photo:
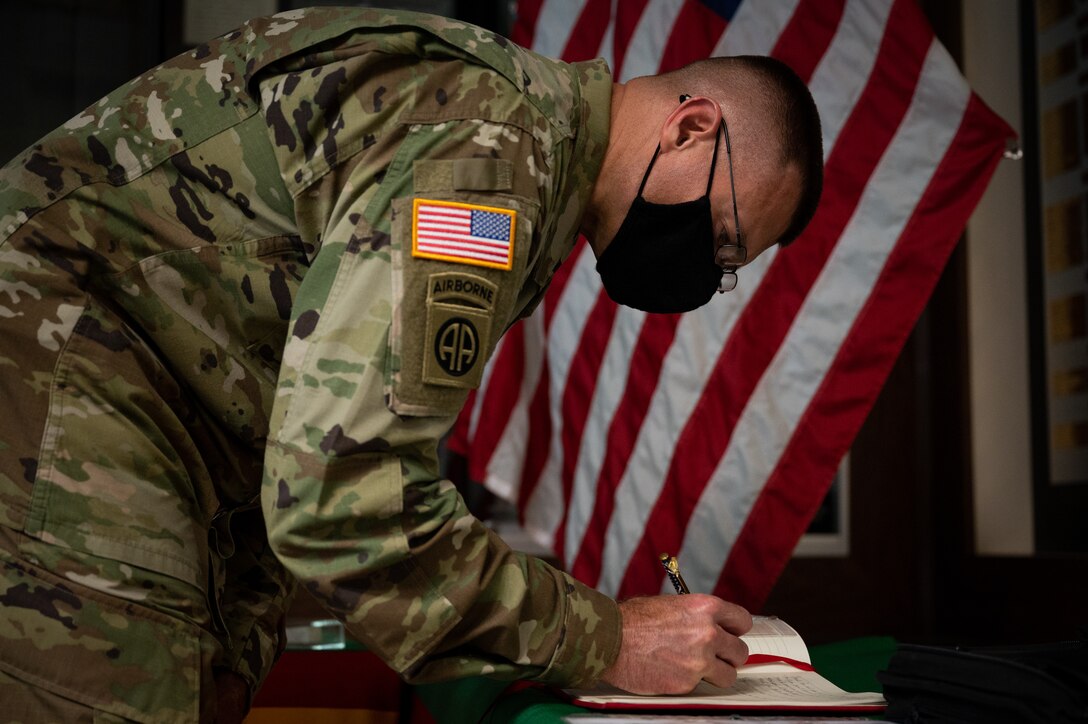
{"x":267,"y":273}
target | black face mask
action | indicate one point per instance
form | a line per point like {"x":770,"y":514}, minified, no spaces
{"x":662,"y":258}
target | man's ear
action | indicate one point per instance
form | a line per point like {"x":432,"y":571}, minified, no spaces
{"x":696,"y":119}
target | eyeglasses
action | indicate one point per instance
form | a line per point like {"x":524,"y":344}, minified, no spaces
{"x":728,"y":256}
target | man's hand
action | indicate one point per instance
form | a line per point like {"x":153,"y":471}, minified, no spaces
{"x":671,"y":643}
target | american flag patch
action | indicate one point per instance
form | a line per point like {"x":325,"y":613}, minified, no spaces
{"x":463,"y":233}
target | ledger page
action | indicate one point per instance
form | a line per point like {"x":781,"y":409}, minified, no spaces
{"x":756,"y":687}
{"x":772,"y":636}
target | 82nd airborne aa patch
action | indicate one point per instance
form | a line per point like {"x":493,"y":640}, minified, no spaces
{"x":459,"y":311}
{"x":457,"y":345}
{"x":463,"y":233}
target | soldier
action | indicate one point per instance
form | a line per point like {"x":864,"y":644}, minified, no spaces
{"x":243,"y":297}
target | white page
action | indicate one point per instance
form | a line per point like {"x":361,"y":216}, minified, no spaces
{"x":618,"y":718}
{"x":772,"y":636}
{"x":755,"y":686}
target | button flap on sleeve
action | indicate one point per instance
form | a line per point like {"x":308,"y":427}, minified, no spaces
{"x":483,"y":174}
{"x":462,"y":174}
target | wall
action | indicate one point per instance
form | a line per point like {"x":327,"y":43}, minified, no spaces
{"x":997,"y":311}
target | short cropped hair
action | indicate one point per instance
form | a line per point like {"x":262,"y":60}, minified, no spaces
{"x":782,"y":95}
{"x":802,"y":140}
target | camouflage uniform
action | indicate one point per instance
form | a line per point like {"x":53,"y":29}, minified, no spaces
{"x":217,"y":322}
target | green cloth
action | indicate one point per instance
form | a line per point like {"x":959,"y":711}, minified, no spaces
{"x":852,"y":664}
{"x":468,"y":701}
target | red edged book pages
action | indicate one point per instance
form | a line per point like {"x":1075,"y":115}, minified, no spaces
{"x":777,"y":677}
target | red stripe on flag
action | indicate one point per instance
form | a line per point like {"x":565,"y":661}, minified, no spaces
{"x":461,"y":242}
{"x":577,"y":395}
{"x":694,"y":34}
{"x":655,"y":338}
{"x":501,"y":394}
{"x":503,"y":391}
{"x":538,"y":445}
{"x":767,"y":317}
{"x":584,"y":41}
{"x":538,"y":448}
{"x":459,"y":439}
{"x":525,"y":23}
{"x":764,"y":544}
{"x":812,"y":26}
{"x":628,"y":14}
{"x":560,"y":279}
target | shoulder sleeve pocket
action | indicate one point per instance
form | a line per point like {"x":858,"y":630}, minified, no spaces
{"x":458,"y":264}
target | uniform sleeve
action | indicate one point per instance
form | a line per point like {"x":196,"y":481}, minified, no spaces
{"x":352,"y":495}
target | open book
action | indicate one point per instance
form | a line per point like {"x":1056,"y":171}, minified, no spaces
{"x":778,"y":675}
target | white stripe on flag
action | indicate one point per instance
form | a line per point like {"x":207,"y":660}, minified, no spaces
{"x":755,"y":27}
{"x":643,"y":56}
{"x":827,"y":315}
{"x":554,"y":24}
{"x":594,"y":444}
{"x":607,"y":48}
{"x":485,"y":380}
{"x":688,"y":363}
{"x":844,"y":69}
{"x":545,"y":506}
{"x":506,"y":462}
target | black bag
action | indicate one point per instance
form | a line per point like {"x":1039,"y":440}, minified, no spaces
{"x":1045,"y":683}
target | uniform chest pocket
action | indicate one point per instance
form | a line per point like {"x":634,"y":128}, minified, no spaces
{"x":459,"y":261}
{"x":220,"y":313}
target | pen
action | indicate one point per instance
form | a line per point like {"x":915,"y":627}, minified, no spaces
{"x":673,"y":569}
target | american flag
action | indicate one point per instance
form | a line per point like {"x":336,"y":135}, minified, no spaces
{"x":716,"y":434}
{"x":465,"y":233}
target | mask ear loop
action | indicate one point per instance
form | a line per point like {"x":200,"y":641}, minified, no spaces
{"x":713,"y":159}
{"x":648,"y":169}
